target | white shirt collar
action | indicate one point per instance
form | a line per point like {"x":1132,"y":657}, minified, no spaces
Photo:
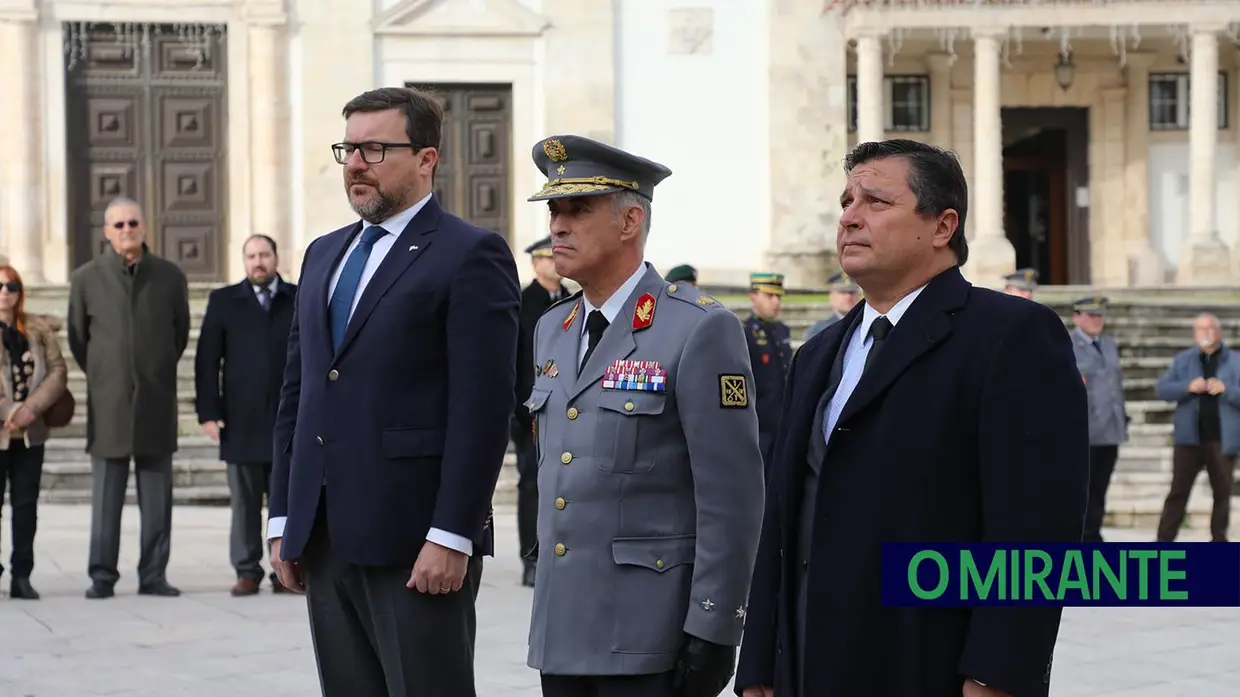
{"x":612,"y":306}
{"x":869,"y":314}
{"x":397,"y":223}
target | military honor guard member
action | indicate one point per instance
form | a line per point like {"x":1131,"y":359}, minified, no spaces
{"x":844,"y":294}
{"x":1022,"y":283}
{"x":770,"y":354}
{"x":650,"y":476}
{"x":544,"y":291}
{"x":682,"y":274}
{"x":1097,"y":357}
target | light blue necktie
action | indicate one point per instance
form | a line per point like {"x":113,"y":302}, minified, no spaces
{"x":342,"y":300}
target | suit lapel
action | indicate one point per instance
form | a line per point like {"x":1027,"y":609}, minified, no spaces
{"x":924,"y":326}
{"x":618,"y":342}
{"x":408,"y":247}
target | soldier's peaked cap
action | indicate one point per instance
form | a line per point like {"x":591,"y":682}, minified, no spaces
{"x":1026,"y":279}
{"x":541,"y":248}
{"x":579,"y":166}
{"x":1094,"y":305}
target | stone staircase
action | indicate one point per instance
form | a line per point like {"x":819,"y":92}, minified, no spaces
{"x":199,"y":476}
{"x":1150,"y":331}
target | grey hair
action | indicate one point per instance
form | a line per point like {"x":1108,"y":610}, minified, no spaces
{"x":122,"y":201}
{"x":1213,"y":318}
{"x":624,"y":200}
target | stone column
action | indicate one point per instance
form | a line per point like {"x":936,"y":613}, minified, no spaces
{"x":991,"y":255}
{"x":1204,"y":258}
{"x":808,"y":138}
{"x":871,"y":116}
{"x":940,"y":68}
{"x":21,"y":199}
{"x":269,"y":128}
{"x":1145,"y":262}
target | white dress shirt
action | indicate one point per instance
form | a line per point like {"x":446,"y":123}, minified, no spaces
{"x":393,"y":226}
{"x":854,"y":358}
{"x":611,"y":307}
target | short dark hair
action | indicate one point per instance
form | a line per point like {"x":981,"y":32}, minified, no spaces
{"x":275,"y":249}
{"x":422,"y":110}
{"x":934,"y":177}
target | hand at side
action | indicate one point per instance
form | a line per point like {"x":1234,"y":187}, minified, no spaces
{"x":289,"y":572}
{"x":438,"y":570}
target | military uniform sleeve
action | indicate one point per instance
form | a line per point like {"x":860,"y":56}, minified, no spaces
{"x":713,"y":394}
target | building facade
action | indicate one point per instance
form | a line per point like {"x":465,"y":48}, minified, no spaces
{"x":1088,"y":155}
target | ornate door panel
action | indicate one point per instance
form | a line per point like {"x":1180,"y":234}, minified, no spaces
{"x":472,"y":180}
{"x":146,"y":121}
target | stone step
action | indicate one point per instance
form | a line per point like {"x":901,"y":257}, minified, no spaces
{"x":1149,"y":435}
{"x":1150,"y":411}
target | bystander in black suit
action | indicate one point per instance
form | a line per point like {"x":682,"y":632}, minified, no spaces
{"x":544,"y":291}
{"x":238,"y":370}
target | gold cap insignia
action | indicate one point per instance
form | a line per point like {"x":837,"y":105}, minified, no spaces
{"x":555,"y":150}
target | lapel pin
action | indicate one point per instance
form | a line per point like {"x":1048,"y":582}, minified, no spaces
{"x":413,"y":247}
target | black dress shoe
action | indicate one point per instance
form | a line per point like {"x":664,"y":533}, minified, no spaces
{"x":21,"y":588}
{"x":160,"y":588}
{"x":99,"y":590}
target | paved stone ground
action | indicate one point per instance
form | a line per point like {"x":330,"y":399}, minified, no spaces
{"x":207,"y":644}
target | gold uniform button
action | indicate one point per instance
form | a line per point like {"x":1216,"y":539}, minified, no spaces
{"x":628,"y":406}
{"x":333,"y":375}
{"x":318,"y":439}
{"x":560,"y":549}
{"x":658,"y":563}
{"x":671,"y":288}
{"x":560,"y":503}
{"x":572,"y":413}
{"x":566,"y":458}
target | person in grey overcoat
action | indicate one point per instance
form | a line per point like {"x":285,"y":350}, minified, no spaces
{"x":650,"y":478}
{"x":1097,"y":357}
{"x":128,"y":326}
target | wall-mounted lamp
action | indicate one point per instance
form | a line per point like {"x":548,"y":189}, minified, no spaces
{"x":1065,"y":71}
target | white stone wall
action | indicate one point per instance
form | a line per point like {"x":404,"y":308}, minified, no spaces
{"x":692,"y":94}
{"x":1170,"y":202}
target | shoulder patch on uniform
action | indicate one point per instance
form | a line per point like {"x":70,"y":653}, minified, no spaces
{"x":733,"y":394}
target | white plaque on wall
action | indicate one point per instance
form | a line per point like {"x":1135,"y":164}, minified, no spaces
{"x":690,"y":31}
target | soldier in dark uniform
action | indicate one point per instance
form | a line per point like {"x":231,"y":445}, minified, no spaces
{"x":543,"y":292}
{"x":1022,"y":283}
{"x":682,"y":274}
{"x":770,"y":354}
{"x":1097,"y":357}
{"x":844,"y":295}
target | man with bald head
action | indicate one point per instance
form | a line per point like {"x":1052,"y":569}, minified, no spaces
{"x":128,"y":326}
{"x":1204,"y":383}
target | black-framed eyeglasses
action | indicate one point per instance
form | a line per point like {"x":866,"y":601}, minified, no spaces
{"x":11,"y":286}
{"x":120,"y":224}
{"x":372,"y":152}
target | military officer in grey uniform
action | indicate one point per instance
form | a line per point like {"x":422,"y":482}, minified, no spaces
{"x":1097,"y":356}
{"x":844,"y":295}
{"x":650,"y":478}
{"x":1021,"y":283}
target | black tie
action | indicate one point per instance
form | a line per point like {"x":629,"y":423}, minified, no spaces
{"x":879,"y":331}
{"x":596,"y":324}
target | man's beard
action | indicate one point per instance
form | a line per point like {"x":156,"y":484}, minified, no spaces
{"x":375,"y":210}
{"x":261,"y":278}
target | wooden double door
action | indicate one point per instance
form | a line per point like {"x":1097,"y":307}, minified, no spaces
{"x":146,"y":120}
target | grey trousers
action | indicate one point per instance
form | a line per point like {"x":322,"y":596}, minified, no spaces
{"x":248,"y":482}
{"x":373,"y":637}
{"x":110,"y":478}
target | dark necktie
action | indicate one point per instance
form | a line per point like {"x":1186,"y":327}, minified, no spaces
{"x":341,"y":303}
{"x":264,"y":297}
{"x":596,"y":324}
{"x":878,"y":331}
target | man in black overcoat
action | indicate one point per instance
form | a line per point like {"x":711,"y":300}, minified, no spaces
{"x":238,"y":370}
{"x":933,"y":412}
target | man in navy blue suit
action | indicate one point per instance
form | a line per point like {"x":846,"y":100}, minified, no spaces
{"x":393,"y":418}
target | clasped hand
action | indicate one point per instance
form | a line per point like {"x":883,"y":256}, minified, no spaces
{"x":703,"y":669}
{"x":20,"y":417}
{"x":438,"y":570}
{"x":1212,"y":386}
